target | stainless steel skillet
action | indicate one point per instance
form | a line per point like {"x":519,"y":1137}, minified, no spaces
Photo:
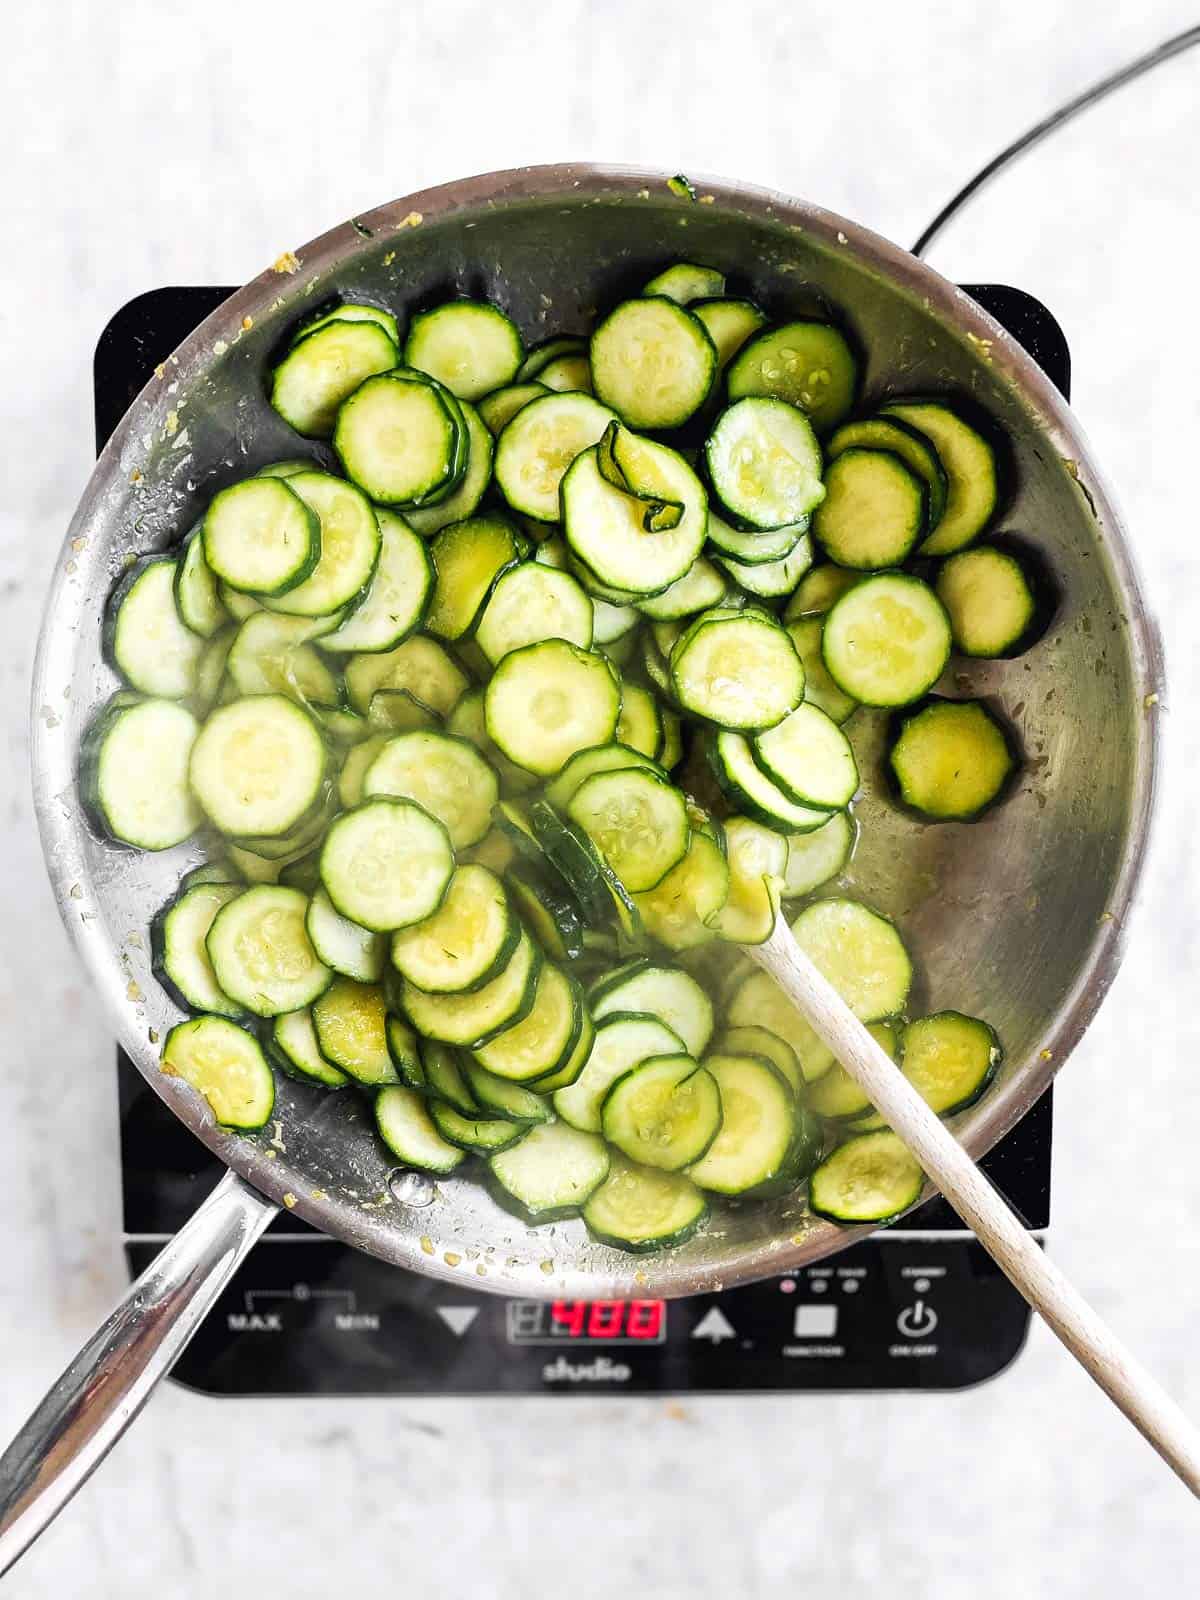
{"x":1020,"y":916}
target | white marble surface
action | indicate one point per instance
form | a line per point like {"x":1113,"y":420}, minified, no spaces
{"x":156,"y":143}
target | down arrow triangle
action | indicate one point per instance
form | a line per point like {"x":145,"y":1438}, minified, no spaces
{"x":458,"y":1318}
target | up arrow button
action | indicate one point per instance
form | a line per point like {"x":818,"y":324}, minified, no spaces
{"x":714,"y":1325}
{"x":458,"y":1318}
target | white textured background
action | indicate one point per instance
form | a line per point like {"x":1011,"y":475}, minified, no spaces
{"x":150,"y":143}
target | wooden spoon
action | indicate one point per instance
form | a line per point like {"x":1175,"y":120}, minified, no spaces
{"x":1011,"y":1246}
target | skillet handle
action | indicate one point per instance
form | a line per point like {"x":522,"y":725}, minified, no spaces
{"x":112,"y":1377}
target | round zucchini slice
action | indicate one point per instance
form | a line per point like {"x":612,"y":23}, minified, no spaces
{"x":989,"y":600}
{"x":951,"y":760}
{"x":859,"y":952}
{"x":765,"y":463}
{"x":257,"y":766}
{"x":552,"y":1172}
{"x":261,"y":954}
{"x":886,"y":641}
{"x":468,"y":345}
{"x":548,"y":700}
{"x":467,"y":941}
{"x":540,"y":443}
{"x":663,"y":1113}
{"x":808,"y":364}
{"x":652,"y":362}
{"x":738,"y":669}
{"x":226,"y":1065}
{"x":641,"y":1209}
{"x":259,"y":536}
{"x":386,"y":864}
{"x":871,"y":1178}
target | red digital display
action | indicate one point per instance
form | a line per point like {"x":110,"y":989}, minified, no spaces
{"x":588,"y":1321}
{"x":607,"y":1319}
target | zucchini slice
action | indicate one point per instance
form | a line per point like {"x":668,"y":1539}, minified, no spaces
{"x":819,"y":688}
{"x":503,"y":1098}
{"x":468,"y":557}
{"x":540,"y":1042}
{"x":530,"y":603}
{"x":261,"y":955}
{"x":403,"y":1122}
{"x":871,"y":1178}
{"x":463,"y":500}
{"x":951,"y":760}
{"x":738,"y":669}
{"x":540,"y":443}
{"x":325,"y":367}
{"x":468,"y":940}
{"x":445,"y":776}
{"x":180,"y":956}
{"x":351,"y":311}
{"x":623,"y":1040}
{"x":949,"y":1059}
{"x":350,"y":1021}
{"x":260,"y":536}
{"x":444,"y":1079}
{"x":548,"y":350}
{"x":808,"y":364}
{"x":874,"y":511}
{"x":197,"y":598}
{"x":342,"y":945}
{"x":567,"y":375}
{"x":639,"y":726}
{"x":405,"y":1050}
{"x":859,"y":952}
{"x":836,"y":1095}
{"x":701,"y":587}
{"x":420,"y":665}
{"x":575,"y":1062}
{"x":548,"y":700}
{"x":969,"y":463}
{"x":886,"y":641}
{"x":485,"y":1136}
{"x":210,"y":679}
{"x":764,"y":462}
{"x":468,"y":345}
{"x":640,"y":1209}
{"x":386,"y":864}
{"x":819,"y":590}
{"x":293,"y":1045}
{"x":472,"y":1018}
{"x":751,"y":789}
{"x":638,"y":822}
{"x":587,"y":763}
{"x":759,"y":1002}
{"x":499,"y":408}
{"x":810,"y":758}
{"x":748,"y":1039}
{"x":551,"y":911}
{"x":678,"y":911}
{"x":753,"y":546}
{"x":989,"y":600}
{"x":663,"y":1113}
{"x":397,"y":438}
{"x":652,"y":362}
{"x":668,"y":993}
{"x":815,"y":857}
{"x":270,"y":655}
{"x":552,"y":1172}
{"x":134,"y":773}
{"x":605,"y":525}
{"x":684,"y":282}
{"x":226,"y":1065}
{"x":397,"y":596}
{"x":757,"y":858}
{"x":145,"y":639}
{"x":728,"y":323}
{"x":899,"y":439}
{"x":350,"y":544}
{"x":755,"y":1142}
{"x":258,"y":766}
{"x":772,"y":579}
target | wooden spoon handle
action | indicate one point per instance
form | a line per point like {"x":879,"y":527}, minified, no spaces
{"x":1086,"y":1336}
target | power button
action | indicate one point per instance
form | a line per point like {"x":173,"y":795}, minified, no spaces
{"x":917,"y":1321}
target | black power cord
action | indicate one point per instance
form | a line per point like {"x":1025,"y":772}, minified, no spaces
{"x":1153,"y":58}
